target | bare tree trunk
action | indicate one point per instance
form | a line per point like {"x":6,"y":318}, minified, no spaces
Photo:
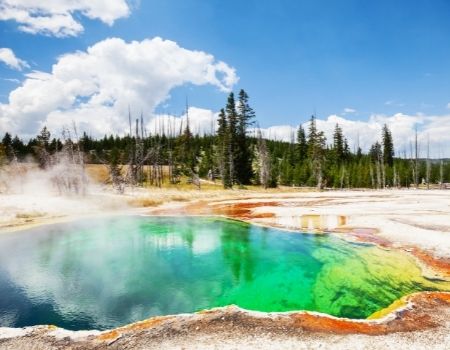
{"x":319,"y":175}
{"x":372,"y":178}
{"x":264,"y":161}
{"x":428,"y":163}
{"x":416,"y":164}
{"x":342,"y":176}
{"x":395,"y":181}
{"x":231,"y":163}
{"x":378,"y":170}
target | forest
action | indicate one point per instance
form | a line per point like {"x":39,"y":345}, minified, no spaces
{"x":233,"y":156}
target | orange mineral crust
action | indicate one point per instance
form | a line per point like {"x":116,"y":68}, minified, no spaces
{"x":416,"y":312}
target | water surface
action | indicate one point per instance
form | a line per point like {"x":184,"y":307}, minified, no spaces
{"x":108,"y":272}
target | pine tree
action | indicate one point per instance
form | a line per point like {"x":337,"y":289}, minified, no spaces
{"x":286,"y":169}
{"x":42,"y":148}
{"x":376,"y":156}
{"x":44,"y":138}
{"x":388,"y":146}
{"x":341,"y":150}
{"x":302,"y":146}
{"x":18,"y":147}
{"x":232,"y":120}
{"x":7,"y":144}
{"x":316,"y":151}
{"x":223,"y":149}
{"x":274,"y":171}
{"x":243,"y":156}
{"x":359,"y":153}
{"x":3,"y":158}
{"x":187,"y":151}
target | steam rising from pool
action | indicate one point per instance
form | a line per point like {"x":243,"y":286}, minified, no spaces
{"x":116,"y":270}
{"x":28,"y":192}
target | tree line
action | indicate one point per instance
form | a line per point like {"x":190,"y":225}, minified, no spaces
{"x":235,"y":157}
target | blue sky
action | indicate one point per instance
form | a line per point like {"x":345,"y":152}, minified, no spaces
{"x":293,"y":57}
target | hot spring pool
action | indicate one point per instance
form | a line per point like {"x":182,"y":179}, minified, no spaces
{"x":108,"y":272}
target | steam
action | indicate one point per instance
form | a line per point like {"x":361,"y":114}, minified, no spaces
{"x":63,"y":178}
{"x":56,"y":186}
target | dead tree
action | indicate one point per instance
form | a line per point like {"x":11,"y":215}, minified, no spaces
{"x":372,"y":178}
{"x":115,"y":171}
{"x":416,"y":162}
{"x":67,"y":166}
{"x":264,"y":161}
{"x":342,"y":176}
{"x":428,"y":163}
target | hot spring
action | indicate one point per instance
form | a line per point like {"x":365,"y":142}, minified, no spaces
{"x":107,"y":272}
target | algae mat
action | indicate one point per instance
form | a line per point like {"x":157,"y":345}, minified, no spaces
{"x":112,"y":271}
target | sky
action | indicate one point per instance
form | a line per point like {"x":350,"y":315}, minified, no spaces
{"x":358,"y":63}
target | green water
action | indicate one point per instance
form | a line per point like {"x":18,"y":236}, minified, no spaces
{"x":113,"y":271}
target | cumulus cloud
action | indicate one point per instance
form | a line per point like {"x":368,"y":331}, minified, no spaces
{"x":366,"y":133}
{"x":94,"y":88}
{"x":8,"y":57}
{"x":201,"y":122}
{"x":59,"y":17}
{"x":278,"y":133}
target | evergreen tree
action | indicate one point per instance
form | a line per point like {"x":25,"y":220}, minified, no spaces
{"x":375,"y":152}
{"x":286,"y":169}
{"x":376,"y":156}
{"x":18,"y":147}
{"x":44,"y":138}
{"x":339,"y":145}
{"x":42,"y":147}
{"x":7,"y":144}
{"x":243,"y":156}
{"x":223,"y":146}
{"x":388,"y":146}
{"x":274,"y":171}
{"x":302,"y":145}
{"x":187,"y":151}
{"x":56,"y":146}
{"x":359,"y":153}
{"x":316,"y":151}
{"x":235,"y":154}
{"x":3,"y":158}
{"x":232,"y":120}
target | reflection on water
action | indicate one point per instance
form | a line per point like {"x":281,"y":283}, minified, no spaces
{"x":114,"y":271}
{"x":310,"y":222}
{"x":322,"y":222}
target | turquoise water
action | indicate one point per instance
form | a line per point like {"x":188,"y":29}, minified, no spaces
{"x":112,"y":271}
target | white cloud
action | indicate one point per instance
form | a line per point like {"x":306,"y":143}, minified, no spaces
{"x":368,"y":132}
{"x":448,"y":105}
{"x":348,"y":110}
{"x":8,"y":57}
{"x":12,"y":80}
{"x":58,"y":17}
{"x":95,"y":88}
{"x":278,"y":133}
{"x":201,"y":121}
{"x":394,"y":103}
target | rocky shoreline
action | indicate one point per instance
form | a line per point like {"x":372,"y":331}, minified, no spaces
{"x":422,"y":321}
